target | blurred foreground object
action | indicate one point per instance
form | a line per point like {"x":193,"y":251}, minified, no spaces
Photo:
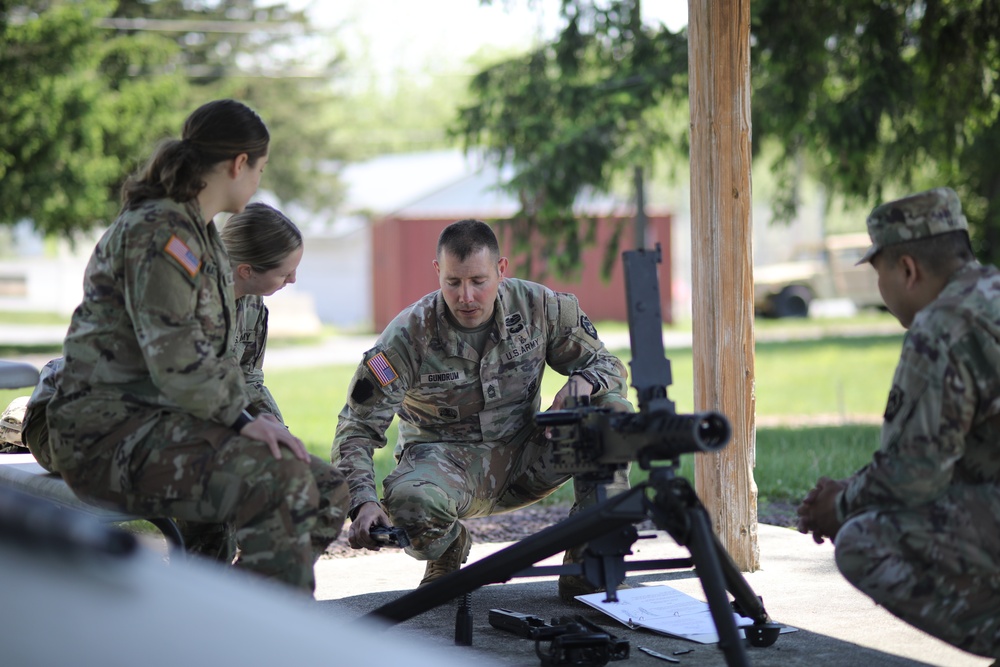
{"x":77,"y":591}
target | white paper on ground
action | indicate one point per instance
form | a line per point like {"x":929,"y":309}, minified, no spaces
{"x":665,"y":610}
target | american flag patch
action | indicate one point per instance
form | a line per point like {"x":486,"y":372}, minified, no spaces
{"x":382,"y":369}
{"x":179,"y":251}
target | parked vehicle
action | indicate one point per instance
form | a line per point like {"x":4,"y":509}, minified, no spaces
{"x":823,"y":270}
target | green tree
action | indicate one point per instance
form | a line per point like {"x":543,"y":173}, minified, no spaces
{"x":72,"y":119}
{"x":873,"y":98}
{"x":573,"y":116}
{"x":90,"y":86}
{"x":257,"y":53}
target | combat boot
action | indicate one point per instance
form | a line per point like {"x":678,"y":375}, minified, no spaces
{"x":11,"y":425}
{"x":452,"y":558}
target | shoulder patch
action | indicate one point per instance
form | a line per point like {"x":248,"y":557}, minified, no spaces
{"x":183,"y":254}
{"x":382,"y":369}
{"x":588,"y":326}
{"x":894,"y":403}
{"x":363,"y":390}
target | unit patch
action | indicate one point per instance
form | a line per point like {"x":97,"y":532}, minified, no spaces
{"x":587,"y":326}
{"x":894,"y":403}
{"x":363,"y":390}
{"x":382,"y":369}
{"x":447,"y":413}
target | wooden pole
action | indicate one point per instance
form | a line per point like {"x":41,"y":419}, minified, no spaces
{"x":722,"y":270}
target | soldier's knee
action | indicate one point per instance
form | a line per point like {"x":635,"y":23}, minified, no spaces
{"x":864,"y":541}
{"x":418,"y":501}
{"x":849,"y":551}
{"x":292,"y":483}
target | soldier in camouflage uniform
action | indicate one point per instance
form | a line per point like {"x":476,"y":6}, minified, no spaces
{"x":151,"y":412}
{"x":265,"y":249}
{"x":918,"y":528}
{"x":462,"y":369}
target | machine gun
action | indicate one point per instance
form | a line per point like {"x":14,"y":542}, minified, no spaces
{"x":592,"y":443}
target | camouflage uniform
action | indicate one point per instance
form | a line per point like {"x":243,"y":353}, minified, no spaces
{"x":140,"y":417}
{"x":467,"y":443}
{"x":248,"y":347}
{"x":218,"y":541}
{"x":36,"y":429}
{"x":922,"y":531}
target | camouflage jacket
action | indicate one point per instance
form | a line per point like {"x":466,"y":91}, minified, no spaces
{"x":443,"y":392}
{"x":153,"y":334}
{"x":248,"y":347}
{"x":942,"y":419}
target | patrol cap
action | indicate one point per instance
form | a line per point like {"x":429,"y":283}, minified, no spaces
{"x":918,"y":216}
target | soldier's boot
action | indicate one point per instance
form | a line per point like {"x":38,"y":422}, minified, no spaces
{"x":452,"y":558}
{"x":571,"y":585}
{"x":11,"y":425}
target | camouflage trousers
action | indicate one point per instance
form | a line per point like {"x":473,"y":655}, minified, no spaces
{"x":283,"y":513}
{"x":217,"y":541}
{"x":435,"y":485}
{"x":936,"y":567}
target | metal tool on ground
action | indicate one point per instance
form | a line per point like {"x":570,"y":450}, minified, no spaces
{"x":657,"y":654}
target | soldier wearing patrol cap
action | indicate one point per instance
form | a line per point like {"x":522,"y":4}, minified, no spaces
{"x":918,"y":528}
{"x":462,"y":369}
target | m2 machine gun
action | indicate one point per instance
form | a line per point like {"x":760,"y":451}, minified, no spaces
{"x":592,"y":443}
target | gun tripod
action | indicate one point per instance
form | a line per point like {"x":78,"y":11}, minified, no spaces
{"x":608,"y":529}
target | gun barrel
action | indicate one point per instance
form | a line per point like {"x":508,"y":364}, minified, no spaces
{"x":661,"y":435}
{"x":711,"y":431}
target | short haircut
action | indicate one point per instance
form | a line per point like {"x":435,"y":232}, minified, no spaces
{"x":939,"y":254}
{"x":467,"y":237}
{"x":260,"y":236}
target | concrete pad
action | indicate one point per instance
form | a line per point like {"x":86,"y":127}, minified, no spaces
{"x":798,"y":581}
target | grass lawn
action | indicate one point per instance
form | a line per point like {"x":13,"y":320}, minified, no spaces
{"x":848,"y":377}
{"x":832,"y":376}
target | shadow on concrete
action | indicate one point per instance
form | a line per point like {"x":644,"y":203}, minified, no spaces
{"x":539,"y":599}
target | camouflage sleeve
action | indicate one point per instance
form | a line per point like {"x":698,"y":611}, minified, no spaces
{"x":929,"y":411}
{"x":375,"y":393}
{"x":252,"y":358}
{"x":574,"y":347}
{"x":173,"y":310}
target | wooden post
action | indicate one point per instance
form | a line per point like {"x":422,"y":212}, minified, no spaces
{"x":722,"y":273}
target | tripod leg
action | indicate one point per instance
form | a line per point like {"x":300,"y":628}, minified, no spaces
{"x":702,"y":546}
{"x":621,"y":510}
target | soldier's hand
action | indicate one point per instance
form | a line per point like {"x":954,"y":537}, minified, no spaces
{"x":274,"y":434}
{"x":818,"y":511}
{"x":369,"y":514}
